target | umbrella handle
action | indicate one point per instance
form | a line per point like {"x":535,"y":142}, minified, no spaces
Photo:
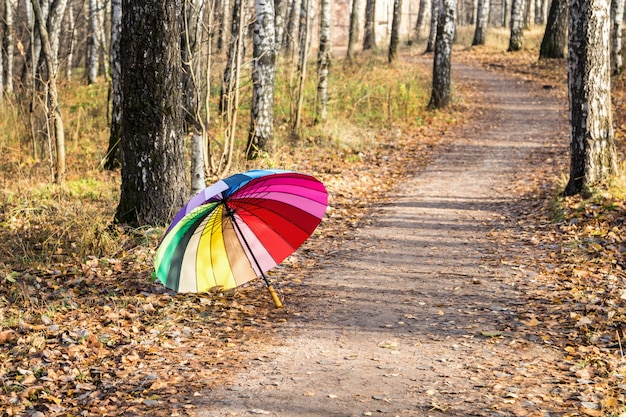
{"x":275,"y":297}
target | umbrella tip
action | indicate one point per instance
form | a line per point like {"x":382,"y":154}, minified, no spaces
{"x":277,"y":301}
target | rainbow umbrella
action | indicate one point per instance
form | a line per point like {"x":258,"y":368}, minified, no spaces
{"x":239,"y":228}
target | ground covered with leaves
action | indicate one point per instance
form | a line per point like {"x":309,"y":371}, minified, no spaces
{"x":93,"y":335}
{"x":577,"y":299}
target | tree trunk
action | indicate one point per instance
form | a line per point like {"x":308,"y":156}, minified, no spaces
{"x":446,"y":26}
{"x":303,"y":54}
{"x":191,"y":41}
{"x":323,"y":59}
{"x":545,"y":6}
{"x":617,"y":26}
{"x":92,"y":42}
{"x":234,"y":56}
{"x":436,"y":6}
{"x":482,"y":22}
{"x":516,"y":41}
{"x":539,"y":17}
{"x":505,"y":12}
{"x":592,"y":146}
{"x":2,"y":91}
{"x":263,"y":74}
{"x":70,"y":29}
{"x":112,"y":158}
{"x":153,"y":167}
{"x":421,"y":13}
{"x":395,"y":31}
{"x":529,"y":13}
{"x":554,"y":43}
{"x":9,"y":44}
{"x":197,"y":164}
{"x":291,"y":33}
{"x":369,"y":36}
{"x":103,"y":40}
{"x":29,"y":74}
{"x":230,"y":90}
{"x":354,"y":27}
{"x":218,"y":10}
{"x":54,"y":26}
{"x":54,"y":112}
{"x":282,"y":6}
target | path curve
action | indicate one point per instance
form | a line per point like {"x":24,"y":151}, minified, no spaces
{"x":399,"y":322}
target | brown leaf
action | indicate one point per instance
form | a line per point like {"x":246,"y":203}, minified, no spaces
{"x":7,"y":336}
{"x":591,"y":412}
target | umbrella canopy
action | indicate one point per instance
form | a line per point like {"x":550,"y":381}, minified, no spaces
{"x":239,"y":228}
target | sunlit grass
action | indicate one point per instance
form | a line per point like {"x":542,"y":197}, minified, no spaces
{"x":497,"y":38}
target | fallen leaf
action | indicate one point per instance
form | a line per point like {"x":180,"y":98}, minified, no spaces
{"x":7,"y":336}
{"x":591,"y":412}
{"x":532,"y":322}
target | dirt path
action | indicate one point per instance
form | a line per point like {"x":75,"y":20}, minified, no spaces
{"x":417,"y":316}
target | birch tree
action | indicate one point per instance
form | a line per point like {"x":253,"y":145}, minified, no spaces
{"x":103,"y":39}
{"x":233,"y":60}
{"x":230,"y":92}
{"x":192,"y":62}
{"x":92,"y":42}
{"x":505,"y":14}
{"x":1,"y":78}
{"x":9,"y":45}
{"x":354,"y":27}
{"x":482,"y":21}
{"x":33,"y":52}
{"x":617,"y":27}
{"x":529,"y":13}
{"x":282,"y":7}
{"x":263,"y":74}
{"x":219,"y":10}
{"x":70,"y":30}
{"x":554,"y":42}
{"x":592,"y":145}
{"x":291,"y":31}
{"x":442,"y":62}
{"x":54,"y":26}
{"x":435,"y":9}
{"x":303,"y":53}
{"x":369,"y":35}
{"x":516,"y":41}
{"x":395,"y":31}
{"x":153,"y":167}
{"x":421,"y":13}
{"x":323,"y":59}
{"x":112,"y":158}
{"x":53,"y":110}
